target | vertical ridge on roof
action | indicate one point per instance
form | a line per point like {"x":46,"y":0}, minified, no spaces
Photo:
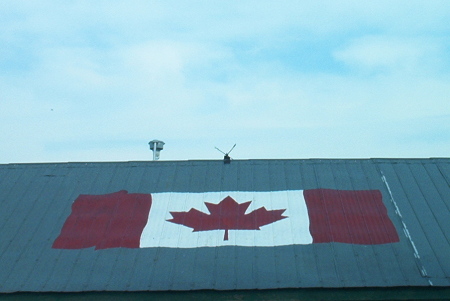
{"x":444,"y":168}
{"x":365,"y":256}
{"x":340,"y":178}
{"x":242,"y":256}
{"x":285,"y":269}
{"x":307,"y":262}
{"x":53,"y":202}
{"x":439,"y":212}
{"x":14,"y":213}
{"x":394,"y":261}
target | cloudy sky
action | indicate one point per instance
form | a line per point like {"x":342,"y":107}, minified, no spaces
{"x":97,"y":80}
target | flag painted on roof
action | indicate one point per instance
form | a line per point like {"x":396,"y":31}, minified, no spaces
{"x":233,"y":218}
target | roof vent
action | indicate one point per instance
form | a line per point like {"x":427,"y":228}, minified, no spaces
{"x":156,"y":146}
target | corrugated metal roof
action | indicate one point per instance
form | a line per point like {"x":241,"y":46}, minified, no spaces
{"x":36,"y":200}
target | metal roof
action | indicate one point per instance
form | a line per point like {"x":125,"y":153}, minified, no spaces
{"x":36,"y":200}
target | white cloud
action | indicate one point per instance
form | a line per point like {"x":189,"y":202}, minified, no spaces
{"x":385,"y":53}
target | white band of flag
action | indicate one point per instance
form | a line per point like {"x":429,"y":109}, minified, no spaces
{"x":294,"y":229}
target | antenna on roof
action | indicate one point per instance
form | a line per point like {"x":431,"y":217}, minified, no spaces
{"x":226,"y":157}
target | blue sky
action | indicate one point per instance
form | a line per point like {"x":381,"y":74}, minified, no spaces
{"x":97,"y":80}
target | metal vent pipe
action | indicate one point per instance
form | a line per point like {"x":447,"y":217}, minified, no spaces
{"x":156,"y":146}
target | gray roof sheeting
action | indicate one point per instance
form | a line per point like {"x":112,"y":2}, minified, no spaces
{"x":36,"y":199}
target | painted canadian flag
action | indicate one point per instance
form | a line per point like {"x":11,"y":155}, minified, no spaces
{"x":231,"y":218}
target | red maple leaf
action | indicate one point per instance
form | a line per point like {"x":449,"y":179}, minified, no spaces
{"x":227,"y":215}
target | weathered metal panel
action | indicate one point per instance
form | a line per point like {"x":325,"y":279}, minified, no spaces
{"x":438,"y":213}
{"x":36,"y":199}
{"x":426,"y":236}
{"x":444,"y":168}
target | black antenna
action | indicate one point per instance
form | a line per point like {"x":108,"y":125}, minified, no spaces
{"x":226,"y":157}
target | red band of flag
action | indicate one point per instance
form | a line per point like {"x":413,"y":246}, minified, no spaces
{"x":105,"y":221}
{"x":349,"y":216}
